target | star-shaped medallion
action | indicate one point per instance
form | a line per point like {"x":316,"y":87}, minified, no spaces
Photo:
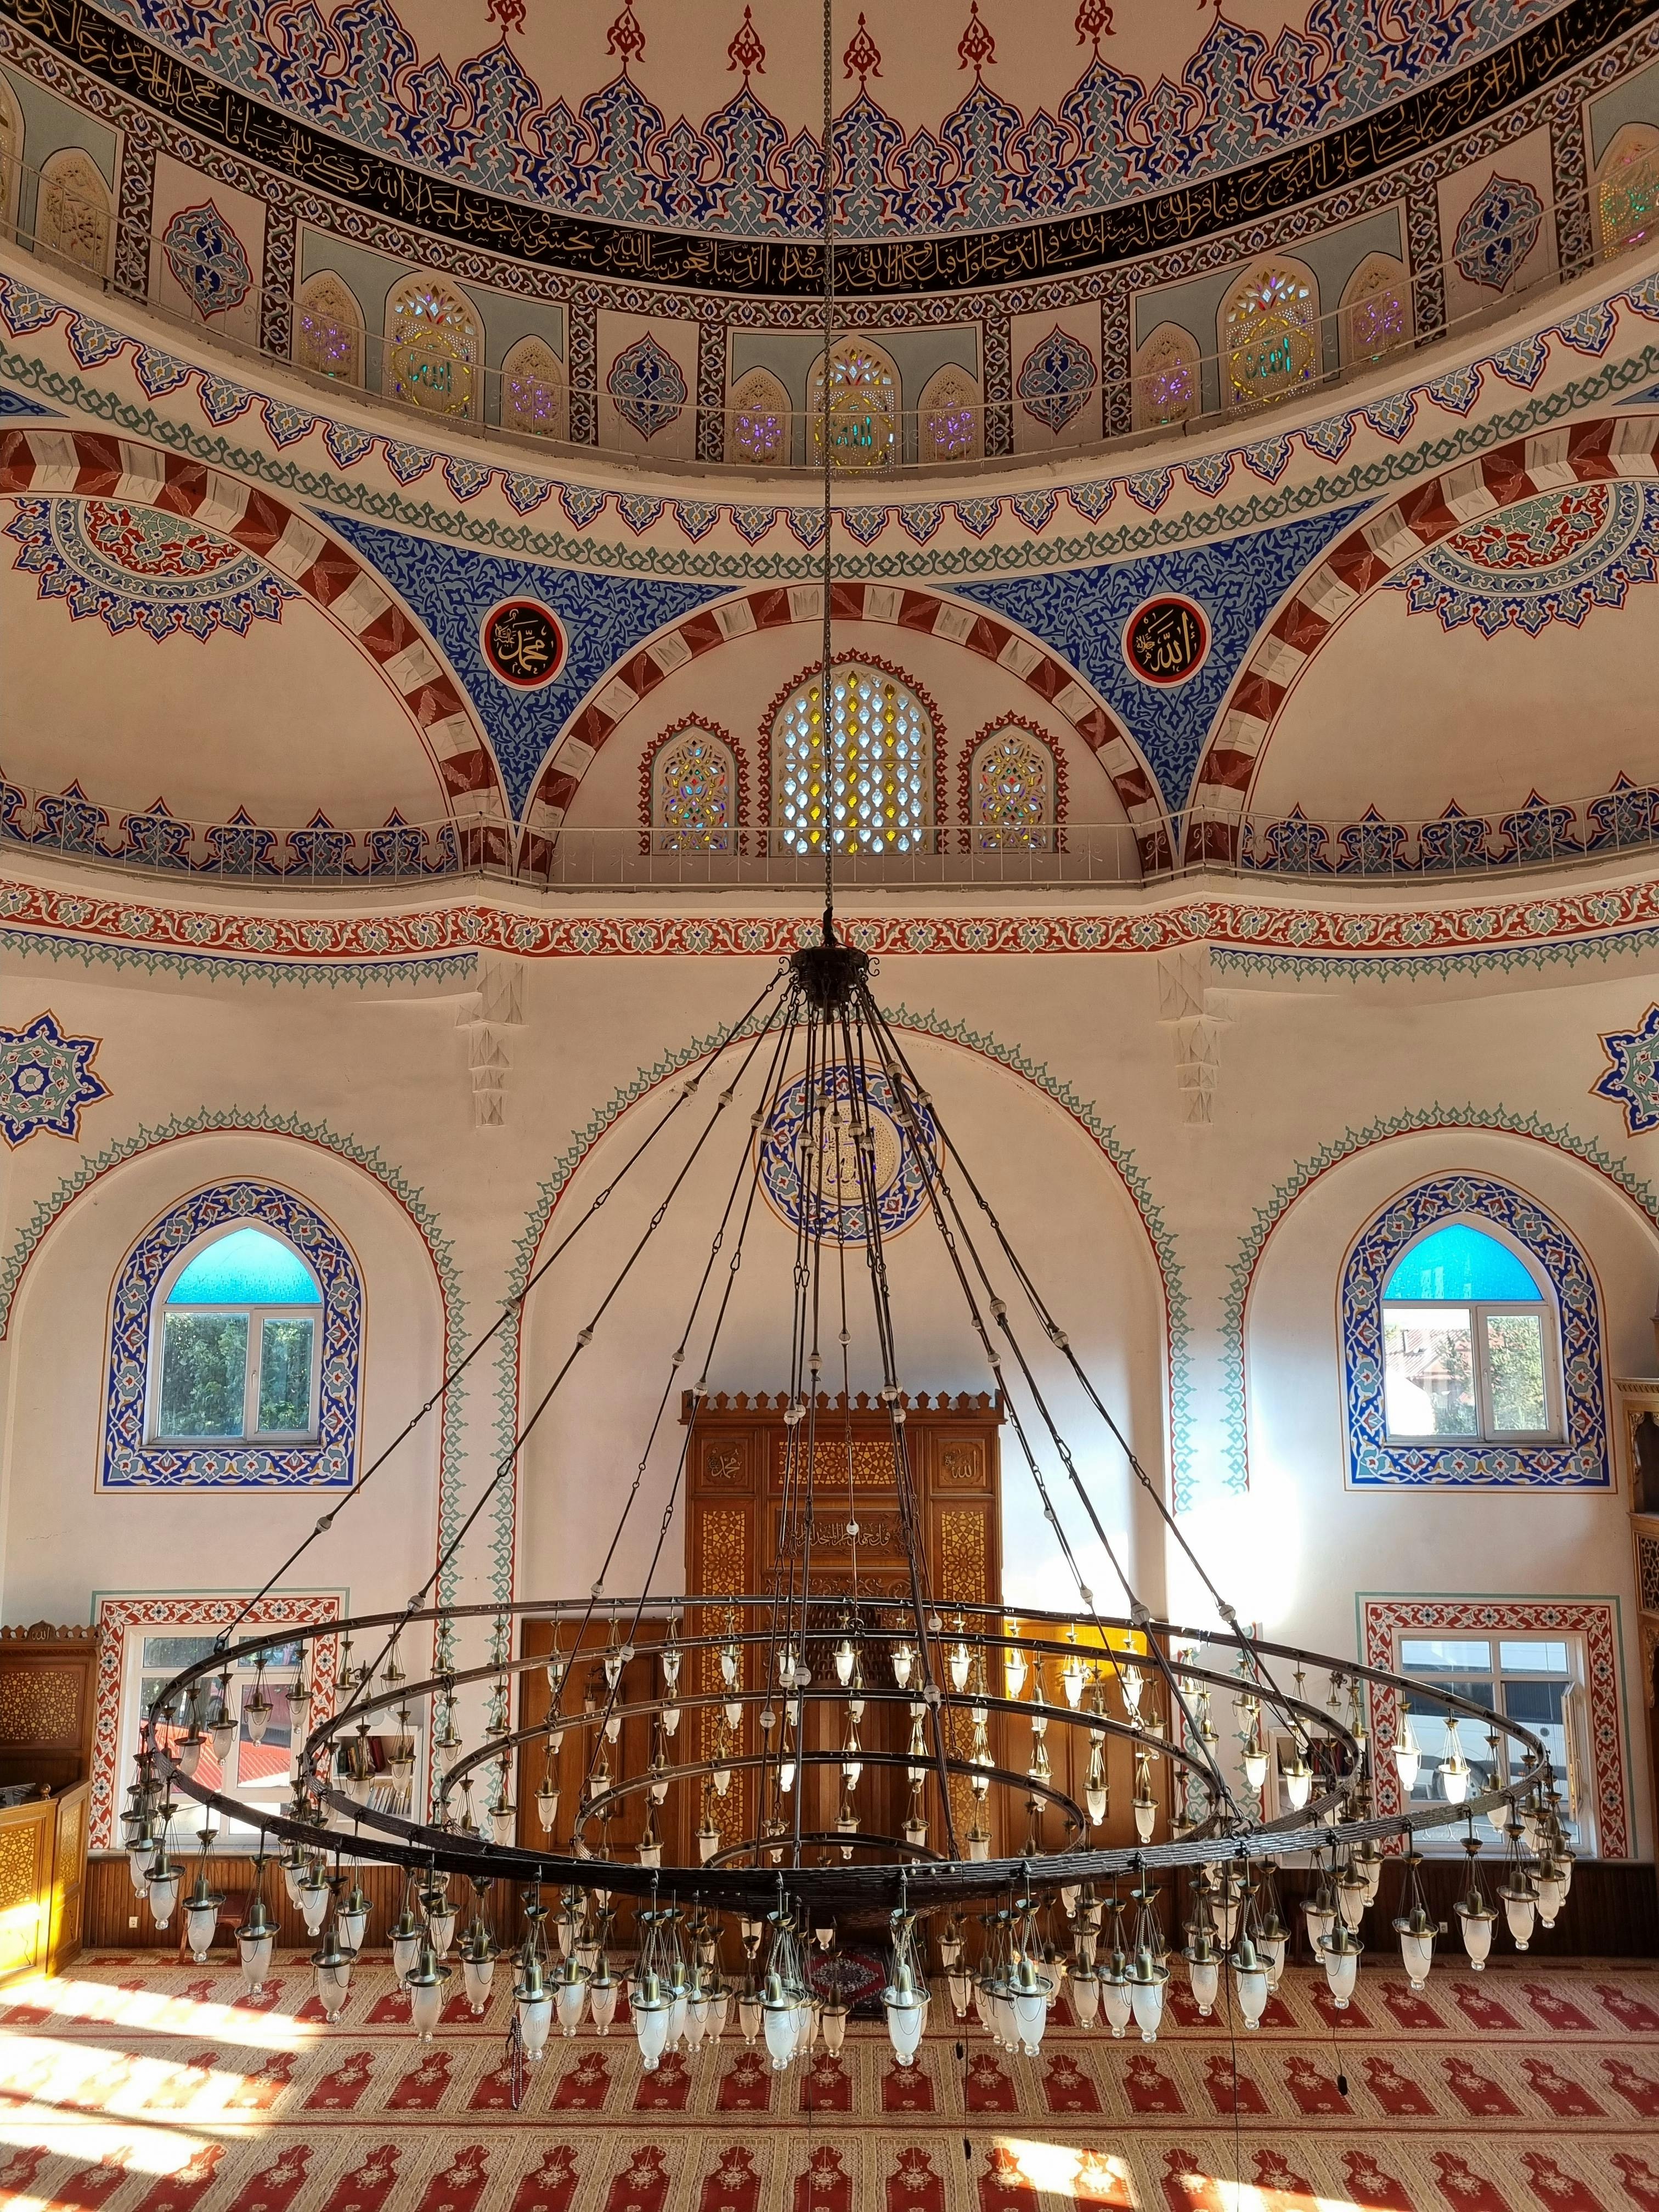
{"x":45,"y":1079}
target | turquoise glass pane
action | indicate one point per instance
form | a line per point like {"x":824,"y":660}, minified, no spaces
{"x":246,"y":1268}
{"x":1461,"y":1264}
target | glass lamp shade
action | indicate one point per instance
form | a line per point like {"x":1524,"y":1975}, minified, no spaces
{"x":907,"y":2012}
{"x":904,"y":1660}
{"x":602,"y":1995}
{"x":1146,"y":1812}
{"x":1116,"y":2000}
{"x":140,"y":1859}
{"x":293,"y":1873}
{"x":778,"y":2020}
{"x":1550,"y":1892}
{"x":426,"y":1993}
{"x":255,"y":1945}
{"x":719,"y":2005}
{"x":1085,"y":1998}
{"x":833,"y":2021}
{"x":749,"y":2017}
{"x":570,"y":1997}
{"x":1251,"y":1981}
{"x":1205,"y":1975}
{"x":671,"y":1720}
{"x":1341,"y":1956}
{"x":1454,"y":1779}
{"x":1520,"y":1910}
{"x":679,"y":1998}
{"x":979,"y":1843}
{"x":256,"y":1715}
{"x":949,"y":1951}
{"x":351,"y":1919}
{"x":1298,"y":1784}
{"x":1367,"y":1862}
{"x":1416,"y":1933}
{"x":406,"y":1935}
{"x":478,"y":1973}
{"x":1477,"y":1919}
{"x":709,"y":1842}
{"x":163,"y":1887}
{"x":1029,"y":2000}
{"x":1256,"y":1767}
{"x":533,"y":2006}
{"x":222,"y":1735}
{"x":547,"y":1806}
{"x":1352,"y":1896}
{"x":314,"y":1897}
{"x":1321,"y":1919}
{"x":333,"y":1971}
{"x":188,"y":1751}
{"x":1271,"y":1949}
{"x":961,"y":1986}
{"x":1147,"y":1979}
{"x":202,"y":1924}
{"x":1406,"y":1761}
{"x":1500,"y":1815}
{"x":1094,"y":1798}
{"x":696,"y":2019}
{"x":649,"y":2004}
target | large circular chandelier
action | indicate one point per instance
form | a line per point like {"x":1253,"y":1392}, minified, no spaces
{"x":985,"y":1717}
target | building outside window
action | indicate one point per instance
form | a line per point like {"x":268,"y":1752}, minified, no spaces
{"x":240,"y":1347}
{"x":1536,"y":1680}
{"x":257,"y":1772}
{"x":1471,"y":1343}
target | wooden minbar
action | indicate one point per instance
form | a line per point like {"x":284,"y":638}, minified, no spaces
{"x":48,"y":1678}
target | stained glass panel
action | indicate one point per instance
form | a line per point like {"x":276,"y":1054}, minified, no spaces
{"x":874,"y":796}
{"x":1013,"y":804}
{"x":694,"y":797}
{"x":1269,"y":336}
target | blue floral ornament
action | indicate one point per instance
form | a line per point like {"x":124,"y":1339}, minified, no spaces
{"x":1631,"y":1077}
{"x":46,"y":1080}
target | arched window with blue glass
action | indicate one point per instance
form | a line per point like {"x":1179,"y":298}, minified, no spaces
{"x":236,"y":1346}
{"x":1471,"y":1344}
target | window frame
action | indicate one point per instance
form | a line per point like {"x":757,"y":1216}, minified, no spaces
{"x":1578,"y":1764}
{"x":229,"y":1835}
{"x":1486,"y":1432}
{"x":252,"y":1433}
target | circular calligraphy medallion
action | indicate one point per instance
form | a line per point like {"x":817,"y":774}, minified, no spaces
{"x":1166,"y":640}
{"x":824,"y":1158}
{"x":522,"y":643}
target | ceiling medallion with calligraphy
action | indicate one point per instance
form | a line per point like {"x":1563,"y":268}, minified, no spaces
{"x":1166,"y":640}
{"x":523,"y":643}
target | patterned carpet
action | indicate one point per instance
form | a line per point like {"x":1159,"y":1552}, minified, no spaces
{"x":134,"y":2085}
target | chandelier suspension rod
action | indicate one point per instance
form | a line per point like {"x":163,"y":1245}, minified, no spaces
{"x":876,"y":1261}
{"x":584,"y":1338}
{"x":687,"y":1091}
{"x":770,"y":1089}
{"x":1063,"y":1342}
{"x":829,"y":748}
{"x":902,"y":1086}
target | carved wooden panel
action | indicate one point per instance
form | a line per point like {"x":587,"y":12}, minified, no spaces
{"x":46,"y":1694}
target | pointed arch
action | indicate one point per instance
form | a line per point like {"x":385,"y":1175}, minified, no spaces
{"x":435,"y":345}
{"x":694,"y":790}
{"x":1376,"y":310}
{"x":1169,"y":378}
{"x":866,"y":398}
{"x":328,"y":328}
{"x":1013,"y":788}
{"x":950,"y":416}
{"x":758,"y":420}
{"x":11,"y":158}
{"x":535,"y":397}
{"x":887,"y":761}
{"x":1268,"y":333}
{"x":72,"y":223}
{"x":1627,"y":188}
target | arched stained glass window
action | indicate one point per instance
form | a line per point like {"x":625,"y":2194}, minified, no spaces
{"x":1471,"y":1344}
{"x":72,"y":213}
{"x":1377,"y":312}
{"x":1269,"y":333}
{"x":694,"y":793}
{"x":948,"y":417}
{"x":875,"y":794}
{"x":864,"y":407}
{"x":1627,"y":188}
{"x":533,"y":389}
{"x":1167,"y":378}
{"x":328,"y":328}
{"x":1010,"y":780}
{"x":757,"y":425}
{"x":433,"y":348}
{"x":241,"y":1341}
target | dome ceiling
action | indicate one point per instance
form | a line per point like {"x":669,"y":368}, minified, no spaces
{"x":961,"y":116}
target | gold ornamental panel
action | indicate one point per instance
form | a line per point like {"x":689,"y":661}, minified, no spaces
{"x":872,"y":1462}
{"x":962,"y":1579}
{"x":41,"y":1707}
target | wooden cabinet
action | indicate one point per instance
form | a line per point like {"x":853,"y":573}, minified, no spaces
{"x":47,"y":1681}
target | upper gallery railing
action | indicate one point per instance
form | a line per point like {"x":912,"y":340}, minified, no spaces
{"x":1280,"y":348}
{"x":319,"y":856}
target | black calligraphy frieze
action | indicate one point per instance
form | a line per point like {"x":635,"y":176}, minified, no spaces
{"x":1062,"y":245}
{"x":522,"y":643}
{"x":1166,"y":640}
